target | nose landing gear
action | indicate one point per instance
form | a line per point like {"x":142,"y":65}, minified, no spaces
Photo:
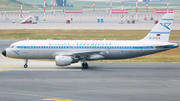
{"x":25,"y":65}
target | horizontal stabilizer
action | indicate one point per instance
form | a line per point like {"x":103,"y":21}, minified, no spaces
{"x":170,"y":45}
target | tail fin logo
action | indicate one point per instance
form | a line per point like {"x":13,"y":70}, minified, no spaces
{"x":166,"y":25}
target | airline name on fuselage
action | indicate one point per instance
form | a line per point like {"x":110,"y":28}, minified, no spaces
{"x":81,"y":44}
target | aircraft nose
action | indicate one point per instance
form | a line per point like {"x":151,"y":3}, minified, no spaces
{"x":4,"y":52}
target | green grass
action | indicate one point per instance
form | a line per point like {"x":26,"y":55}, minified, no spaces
{"x":80,"y":34}
{"x":6,"y":5}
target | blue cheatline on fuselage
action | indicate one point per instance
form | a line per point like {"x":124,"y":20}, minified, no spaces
{"x":85,"y":47}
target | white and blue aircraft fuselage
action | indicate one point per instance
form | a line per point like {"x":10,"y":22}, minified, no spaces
{"x":66,"y":52}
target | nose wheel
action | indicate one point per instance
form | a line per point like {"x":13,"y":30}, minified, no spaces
{"x":25,"y":65}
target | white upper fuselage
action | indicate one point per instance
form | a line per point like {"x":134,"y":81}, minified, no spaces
{"x":89,"y":49}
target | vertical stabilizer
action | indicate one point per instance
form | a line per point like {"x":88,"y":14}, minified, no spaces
{"x":161,"y":30}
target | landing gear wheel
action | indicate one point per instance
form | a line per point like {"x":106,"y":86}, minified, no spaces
{"x":84,"y":66}
{"x":25,"y":66}
{"x":26,"y":62}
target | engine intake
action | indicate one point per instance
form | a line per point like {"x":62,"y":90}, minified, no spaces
{"x":65,"y":60}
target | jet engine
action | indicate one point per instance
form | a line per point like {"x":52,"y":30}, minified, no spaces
{"x":65,"y":60}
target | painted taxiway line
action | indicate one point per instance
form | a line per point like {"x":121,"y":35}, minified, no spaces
{"x":56,"y":99}
{"x":45,"y":98}
{"x":4,"y":70}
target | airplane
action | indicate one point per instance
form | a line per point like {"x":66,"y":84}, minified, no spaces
{"x":66,"y":52}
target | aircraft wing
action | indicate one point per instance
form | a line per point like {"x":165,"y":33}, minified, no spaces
{"x":83,"y":54}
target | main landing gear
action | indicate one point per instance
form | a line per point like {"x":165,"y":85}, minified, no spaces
{"x":84,"y":64}
{"x":25,"y":65}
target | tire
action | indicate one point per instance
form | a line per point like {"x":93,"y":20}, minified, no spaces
{"x":25,"y":66}
{"x":84,"y":66}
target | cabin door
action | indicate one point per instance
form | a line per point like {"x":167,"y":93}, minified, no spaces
{"x":25,"y":47}
{"x":141,"y":47}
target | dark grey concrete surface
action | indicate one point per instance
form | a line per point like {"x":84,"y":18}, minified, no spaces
{"x":6,"y":43}
{"x":101,"y":82}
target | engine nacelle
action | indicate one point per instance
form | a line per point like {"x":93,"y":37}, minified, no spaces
{"x":63,"y":60}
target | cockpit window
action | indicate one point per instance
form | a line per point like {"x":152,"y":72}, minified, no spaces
{"x":11,"y":46}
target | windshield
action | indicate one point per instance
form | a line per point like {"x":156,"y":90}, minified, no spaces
{"x":11,"y":46}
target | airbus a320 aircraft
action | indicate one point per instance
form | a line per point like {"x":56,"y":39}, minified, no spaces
{"x":66,"y":52}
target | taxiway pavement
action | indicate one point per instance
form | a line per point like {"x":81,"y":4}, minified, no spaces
{"x":84,"y":26}
{"x":86,"y":21}
{"x":44,"y":81}
{"x":101,"y":82}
